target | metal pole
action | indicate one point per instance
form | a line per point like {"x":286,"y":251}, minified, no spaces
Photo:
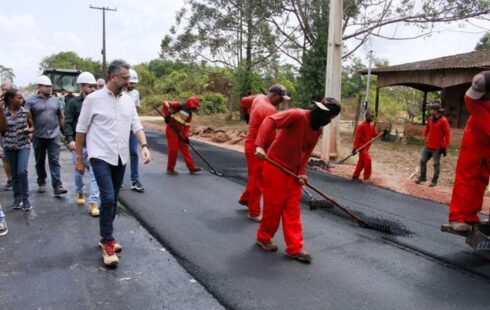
{"x":104,"y":51}
{"x":331,"y":133}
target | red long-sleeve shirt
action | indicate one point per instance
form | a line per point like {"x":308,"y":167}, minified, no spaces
{"x":179,"y":119}
{"x":260,"y":108}
{"x":364,"y":133}
{"x":246,"y":104}
{"x":437,"y":133}
{"x":295,"y":141}
{"x":479,"y":121}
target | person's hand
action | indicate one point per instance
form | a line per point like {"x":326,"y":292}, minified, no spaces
{"x":80,"y":165}
{"x":246,"y":117}
{"x":443,"y":152}
{"x":260,"y":152}
{"x":167,"y":119}
{"x":145,"y":153}
{"x":354,"y":152}
{"x":1,"y":152}
{"x":71,"y":146}
{"x":302,"y":179}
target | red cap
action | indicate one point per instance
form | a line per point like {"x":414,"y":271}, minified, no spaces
{"x":192,"y":102}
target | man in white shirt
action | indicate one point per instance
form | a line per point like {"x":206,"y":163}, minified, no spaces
{"x":106,"y":118}
{"x":133,"y":144}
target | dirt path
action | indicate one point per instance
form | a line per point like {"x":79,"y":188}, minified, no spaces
{"x":393,"y":163}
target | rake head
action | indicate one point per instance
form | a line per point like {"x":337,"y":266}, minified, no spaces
{"x":375,"y":225}
{"x":319,"y":204}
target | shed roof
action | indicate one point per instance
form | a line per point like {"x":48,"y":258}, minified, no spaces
{"x":475,"y":59}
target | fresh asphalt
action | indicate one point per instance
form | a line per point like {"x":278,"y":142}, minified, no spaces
{"x":50,"y":260}
{"x":198,"y":219}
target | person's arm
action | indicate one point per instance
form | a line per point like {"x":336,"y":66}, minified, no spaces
{"x":480,"y":113}
{"x":245,"y":105}
{"x":447,"y":133}
{"x":357,"y":138}
{"x":83,"y":125}
{"x":425,"y":134}
{"x":139,"y":133}
{"x":3,"y":120}
{"x":267,"y":130}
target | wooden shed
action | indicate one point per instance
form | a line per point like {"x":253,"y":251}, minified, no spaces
{"x":450,"y":75}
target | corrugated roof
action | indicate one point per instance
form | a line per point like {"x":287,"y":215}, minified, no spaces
{"x":475,"y":59}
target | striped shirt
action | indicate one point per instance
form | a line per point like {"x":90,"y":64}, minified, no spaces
{"x":14,"y":140}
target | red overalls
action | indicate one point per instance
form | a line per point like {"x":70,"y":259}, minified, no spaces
{"x":260,"y":108}
{"x":180,"y":119}
{"x":473,"y":167}
{"x":282,"y":193}
{"x":364,"y":133}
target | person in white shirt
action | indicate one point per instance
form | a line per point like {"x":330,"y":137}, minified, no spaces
{"x":133,"y":144}
{"x":106,"y":118}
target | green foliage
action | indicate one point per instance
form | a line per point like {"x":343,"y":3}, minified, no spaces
{"x":70,"y":60}
{"x":211,"y":103}
{"x":484,"y":43}
{"x":6,"y":74}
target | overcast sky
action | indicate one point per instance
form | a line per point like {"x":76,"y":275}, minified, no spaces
{"x":32,"y":29}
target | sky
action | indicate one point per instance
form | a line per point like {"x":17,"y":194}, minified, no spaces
{"x":31,"y":30}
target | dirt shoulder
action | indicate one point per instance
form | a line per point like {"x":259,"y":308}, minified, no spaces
{"x":393,"y":163}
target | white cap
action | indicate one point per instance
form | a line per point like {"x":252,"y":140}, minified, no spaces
{"x":133,"y":76}
{"x":86,"y":78}
{"x":43,"y":80}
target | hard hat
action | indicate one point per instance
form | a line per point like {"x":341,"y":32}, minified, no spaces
{"x":86,"y":78}
{"x":43,"y":80}
{"x":133,"y":76}
{"x":192,"y":103}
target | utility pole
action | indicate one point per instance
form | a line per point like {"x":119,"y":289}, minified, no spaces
{"x":368,"y":85}
{"x":103,"y":9}
{"x":331,"y":133}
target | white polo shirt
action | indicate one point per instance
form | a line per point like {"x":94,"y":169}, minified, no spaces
{"x":107,"y":120}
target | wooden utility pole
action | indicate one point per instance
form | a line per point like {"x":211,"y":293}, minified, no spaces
{"x":368,"y":84}
{"x":331,"y":133}
{"x":104,"y":52}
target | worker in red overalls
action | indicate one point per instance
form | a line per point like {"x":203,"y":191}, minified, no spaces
{"x":291,"y":148}
{"x":178,"y":117}
{"x":437,"y":132}
{"x":259,"y":107}
{"x":366,"y":131}
{"x":473,"y":167}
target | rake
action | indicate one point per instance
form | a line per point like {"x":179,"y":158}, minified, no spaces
{"x":360,"y":221}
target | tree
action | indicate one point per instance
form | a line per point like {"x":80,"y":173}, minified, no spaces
{"x":70,"y":60}
{"x":231,"y":33}
{"x":6,"y":74}
{"x":484,"y":43}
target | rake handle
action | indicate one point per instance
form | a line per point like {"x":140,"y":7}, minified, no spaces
{"x":360,"y":148}
{"x":287,"y":171}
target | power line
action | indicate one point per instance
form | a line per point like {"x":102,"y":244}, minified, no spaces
{"x":104,"y":52}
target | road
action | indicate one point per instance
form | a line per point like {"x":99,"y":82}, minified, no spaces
{"x":50,"y":260}
{"x":198,"y":219}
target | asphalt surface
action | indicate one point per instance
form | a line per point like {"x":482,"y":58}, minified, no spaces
{"x":50,"y":260}
{"x":200,"y":222}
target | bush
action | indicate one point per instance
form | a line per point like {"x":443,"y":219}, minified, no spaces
{"x":212,"y":103}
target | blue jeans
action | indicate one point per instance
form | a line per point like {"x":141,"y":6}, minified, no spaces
{"x":109,"y":178}
{"x":133,"y":153}
{"x":52,"y":147}
{"x":2,"y":215}
{"x":427,"y":154}
{"x":94,"y":189}
{"x":18,"y":161}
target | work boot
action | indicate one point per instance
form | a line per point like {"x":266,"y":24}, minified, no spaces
{"x":243,"y":202}
{"x":460,"y":226}
{"x":26,"y":206}
{"x":108,"y":254}
{"x":302,"y":256}
{"x":137,"y":187}
{"x":117,"y":247}
{"x":59,"y":190}
{"x":80,"y":199}
{"x":172,"y":172}
{"x":419,"y":180}
{"x":433,"y":183}
{"x":256,"y":218}
{"x":93,"y":209}
{"x":195,"y":170}
{"x":41,"y":188}
{"x":16,"y":205}
{"x":9,"y":185}
{"x":267,"y":246}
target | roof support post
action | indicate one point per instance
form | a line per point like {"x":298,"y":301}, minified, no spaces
{"x":424,"y":107}
{"x":376,"y":104}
